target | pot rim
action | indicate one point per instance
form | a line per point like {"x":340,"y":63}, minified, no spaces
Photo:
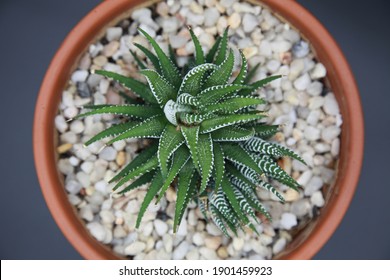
{"x":340,"y":77}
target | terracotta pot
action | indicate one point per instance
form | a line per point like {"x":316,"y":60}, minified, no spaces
{"x":308,"y":242}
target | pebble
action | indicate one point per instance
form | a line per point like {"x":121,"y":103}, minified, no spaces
{"x":108,"y":153}
{"x":318,"y":72}
{"x":234,"y":20}
{"x":238,"y":243}
{"x":160,"y":227}
{"x":79,"y":76}
{"x":64,"y":148}
{"x":135,"y":248}
{"x":77,"y":126}
{"x":198,"y":239}
{"x":107,"y":216}
{"x":211,"y":16}
{"x":84,"y":179}
{"x":281,"y":46}
{"x":222,"y":253}
{"x":317,"y":199}
{"x":302,"y":82}
{"x":73,"y":187}
{"x":60,"y":124}
{"x":227,"y":3}
{"x":313,"y":185}
{"x":170,"y":25}
{"x":181,"y":251}
{"x":331,"y":107}
{"x":300,"y":208}
{"x":330,"y":133}
{"x":315,"y":88}
{"x":192,"y":255}
{"x":113,"y":33}
{"x":249,"y":22}
{"x":301,"y":49}
{"x":312,"y":133}
{"x":97,"y":230}
{"x":335,"y":148}
{"x":208,"y":254}
{"x":162,"y":9}
{"x":279,"y":245}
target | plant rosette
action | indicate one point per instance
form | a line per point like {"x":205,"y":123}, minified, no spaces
{"x":303,"y":116}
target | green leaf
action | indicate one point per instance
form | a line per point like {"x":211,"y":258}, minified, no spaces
{"x":143,"y":157}
{"x":187,"y":99}
{"x":254,"y":202}
{"x":192,"y":82}
{"x":202,"y":207}
{"x":191,"y":135}
{"x":222,"y":48}
{"x":148,"y":166}
{"x":150,"y":194}
{"x":240,"y":79}
{"x":224,"y":208}
{"x":161,"y":89}
{"x":150,"y":128}
{"x":128,"y":99}
{"x":263,"y":147}
{"x":135,"y":86}
{"x":215,"y":93}
{"x":232,"y":133}
{"x":265,"y":131}
{"x":210,"y":56}
{"x":228,"y":120}
{"x":171,"y":139}
{"x":192,"y":118}
{"x":180,"y":158}
{"x":251,"y":74}
{"x":186,"y":188}
{"x":218,"y":220}
{"x":219,"y":165}
{"x":271,"y":189}
{"x":140,"y":181}
{"x":151,"y":57}
{"x":234,"y":104}
{"x":199,"y":55}
{"x":206,"y":159}
{"x":256,"y":85}
{"x":168,"y":68}
{"x":238,"y":155}
{"x":141,"y":65}
{"x":287,"y":152}
{"x":114,"y":130}
{"x":221,"y":75}
{"x":172,"y":55}
{"x":136,"y":111}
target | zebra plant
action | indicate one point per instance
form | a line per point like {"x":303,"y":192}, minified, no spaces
{"x":208,"y":140}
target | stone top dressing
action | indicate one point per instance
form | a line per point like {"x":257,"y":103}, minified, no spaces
{"x":299,"y":101}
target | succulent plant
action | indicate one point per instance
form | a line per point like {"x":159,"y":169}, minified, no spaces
{"x":207,"y":138}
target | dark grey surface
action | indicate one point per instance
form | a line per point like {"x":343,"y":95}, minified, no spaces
{"x":30,"y":33}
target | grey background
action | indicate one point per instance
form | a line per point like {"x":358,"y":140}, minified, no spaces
{"x":30,"y":33}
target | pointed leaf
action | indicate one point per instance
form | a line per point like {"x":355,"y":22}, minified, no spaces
{"x":140,"y":181}
{"x":238,"y":155}
{"x":187,"y":99}
{"x":192,"y":118}
{"x":265,"y":131}
{"x":114,"y":131}
{"x":171,"y":139}
{"x":172,"y":55}
{"x":222,"y":48}
{"x":215,"y":93}
{"x":199,"y":55}
{"x":206,"y":159}
{"x":251,"y":74}
{"x":191,"y":135}
{"x":271,"y":189}
{"x":256,"y":85}
{"x":228,"y":120}
{"x":287,"y":152}
{"x":254,"y":202}
{"x":234,"y":104}
{"x":136,"y":111}
{"x":218,"y":220}
{"x":161,"y":89}
{"x":135,"y":86}
{"x":141,"y":65}
{"x":240,"y":79}
{"x":168,"y":68}
{"x":151,"y":57}
{"x":150,"y":128}
{"x":150,"y":194}
{"x":220,"y":202}
{"x":148,"y":166}
{"x":143,"y":157}
{"x":219,"y":166}
{"x":232,"y":133}
{"x":221,"y":75}
{"x":186,"y":188}
{"x":210,"y":56}
{"x":192,"y":82}
{"x":180,"y":158}
{"x":263,"y":147}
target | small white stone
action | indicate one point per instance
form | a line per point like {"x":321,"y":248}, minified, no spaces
{"x":119,"y":232}
{"x":135,"y":248}
{"x":102,"y":187}
{"x":182,"y":230}
{"x":305,"y":177}
{"x":161,"y":227}
{"x":213,"y":229}
{"x":234,"y":21}
{"x":73,"y":186}
{"x":107,"y":217}
{"x":226,"y":3}
{"x":315,"y":88}
{"x":302,"y":82}
{"x":288,"y":221}
{"x":300,"y":49}
{"x":119,"y":145}
{"x":108,"y":153}
{"x":238,"y":243}
{"x":170,"y":25}
{"x":312,"y":133}
{"x":211,"y":16}
{"x":71,"y":112}
{"x":193,"y":255}
{"x":317,"y":199}
{"x":97,"y":230}
{"x":60,"y":123}
{"x":313,"y":117}
{"x":300,"y":208}
{"x":168,"y":243}
{"x":181,"y":251}
{"x":313,"y":185}
{"x":330,"y":133}
{"x":84,"y":179}
{"x":87,"y":167}
{"x":132,"y":206}
{"x":316,"y":102}
{"x":77,"y":126}
{"x":331,"y":107}
{"x":198,"y":239}
{"x":79,"y":76}
{"x":147,"y":229}
{"x":208,"y":254}
{"x":281,"y":46}
{"x":69,"y":137}
{"x":113,"y":33}
{"x":86,"y":213}
{"x":279,"y":245}
{"x":318,"y":72}
{"x":273,"y":65}
{"x":335,"y":148}
{"x":249,"y":22}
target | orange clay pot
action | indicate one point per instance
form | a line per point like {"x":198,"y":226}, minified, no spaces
{"x":340,"y":78}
